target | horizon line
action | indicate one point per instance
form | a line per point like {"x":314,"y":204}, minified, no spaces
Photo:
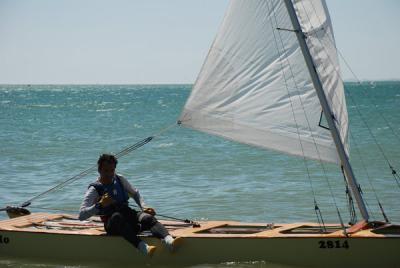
{"x":160,"y":84}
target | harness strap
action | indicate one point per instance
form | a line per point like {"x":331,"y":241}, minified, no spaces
{"x":101,"y":189}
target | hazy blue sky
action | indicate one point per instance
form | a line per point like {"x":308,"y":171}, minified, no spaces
{"x":163,"y":41}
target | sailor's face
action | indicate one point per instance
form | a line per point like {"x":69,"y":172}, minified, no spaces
{"x":107,"y":170}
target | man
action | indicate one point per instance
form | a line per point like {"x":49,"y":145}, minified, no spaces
{"x":108,"y":197}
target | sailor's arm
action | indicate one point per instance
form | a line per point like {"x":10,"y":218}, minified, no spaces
{"x":133,"y":192}
{"x":88,"y":207}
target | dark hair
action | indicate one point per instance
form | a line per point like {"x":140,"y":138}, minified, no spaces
{"x":106,"y":158}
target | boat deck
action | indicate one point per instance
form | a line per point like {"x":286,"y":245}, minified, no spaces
{"x":69,"y":224}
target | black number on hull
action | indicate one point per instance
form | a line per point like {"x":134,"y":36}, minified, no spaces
{"x":329,"y":244}
{"x":4,"y":240}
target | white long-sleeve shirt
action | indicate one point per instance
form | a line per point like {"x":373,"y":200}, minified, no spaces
{"x":88,"y":207}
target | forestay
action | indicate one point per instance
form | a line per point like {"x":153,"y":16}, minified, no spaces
{"x":254,"y":86}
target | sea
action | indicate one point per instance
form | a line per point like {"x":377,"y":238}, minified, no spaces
{"x":50,"y":133}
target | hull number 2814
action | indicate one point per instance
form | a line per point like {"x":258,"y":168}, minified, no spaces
{"x":330,"y":244}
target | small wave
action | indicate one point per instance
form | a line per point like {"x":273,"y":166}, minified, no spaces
{"x":163,"y":145}
{"x":382,"y":128}
{"x":42,"y":106}
{"x":161,"y":103}
{"x":104,"y":103}
{"x":137,"y":126}
{"x":372,"y":84}
{"x":104,"y":110}
{"x":5,"y":101}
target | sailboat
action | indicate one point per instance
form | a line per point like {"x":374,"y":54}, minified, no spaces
{"x":271,"y":79}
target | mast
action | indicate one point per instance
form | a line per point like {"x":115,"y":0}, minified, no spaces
{"x":327,"y":110}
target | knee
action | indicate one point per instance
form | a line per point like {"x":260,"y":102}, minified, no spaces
{"x":116,"y":221}
{"x":147,"y":220}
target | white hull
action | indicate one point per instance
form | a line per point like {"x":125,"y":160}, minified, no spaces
{"x":88,"y":247}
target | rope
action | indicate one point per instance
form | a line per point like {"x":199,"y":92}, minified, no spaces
{"x":341,"y":222}
{"x":350,"y":203}
{"x":383,"y":213}
{"x":54,"y":209}
{"x":316,"y":208}
{"x":377,"y":144}
{"x":308,"y":123}
{"x":369,"y":179}
{"x":194,"y":223}
{"x":358,"y":153}
{"x":358,"y":80}
{"x":397,"y":179}
{"x":319,"y":217}
{"x":120,"y":154}
{"x":84,"y":173}
{"x":161,"y":215}
{"x":395,"y":176}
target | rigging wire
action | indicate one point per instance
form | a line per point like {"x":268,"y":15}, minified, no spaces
{"x":349,"y":197}
{"x":369,"y":178}
{"x":330,"y":188}
{"x":364,"y":121}
{"x":192,"y":222}
{"x":54,"y":209}
{"x":84,"y":173}
{"x":358,"y":80}
{"x":311,"y":133}
{"x":350,"y":202}
{"x":393,"y":170}
{"x":316,"y":207}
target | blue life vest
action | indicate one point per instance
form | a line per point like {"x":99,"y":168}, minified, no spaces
{"x":115,"y":190}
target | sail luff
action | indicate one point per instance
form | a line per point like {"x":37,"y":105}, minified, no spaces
{"x":327,"y":110}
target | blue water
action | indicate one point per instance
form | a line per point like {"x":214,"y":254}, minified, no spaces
{"x":50,"y":133}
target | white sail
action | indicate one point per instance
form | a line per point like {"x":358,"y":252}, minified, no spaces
{"x":254,"y":86}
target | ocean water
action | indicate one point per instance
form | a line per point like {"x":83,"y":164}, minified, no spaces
{"x":48,"y":133}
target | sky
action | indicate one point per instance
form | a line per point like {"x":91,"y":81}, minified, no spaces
{"x":163,"y":41}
